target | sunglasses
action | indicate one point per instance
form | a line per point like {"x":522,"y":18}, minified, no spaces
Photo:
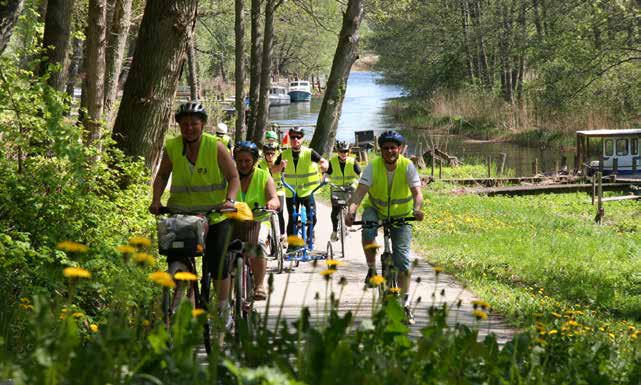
{"x":343,"y":151}
{"x":297,"y":137}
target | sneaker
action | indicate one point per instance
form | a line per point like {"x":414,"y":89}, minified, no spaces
{"x":334,"y":236}
{"x":370,"y":274}
{"x":259,"y":293}
{"x":409,"y":317}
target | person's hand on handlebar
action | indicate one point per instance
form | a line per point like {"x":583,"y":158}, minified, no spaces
{"x":418,"y":215}
{"x":154,"y":207}
{"x":350,"y":218}
{"x":271,"y":205}
{"x":227,"y":204}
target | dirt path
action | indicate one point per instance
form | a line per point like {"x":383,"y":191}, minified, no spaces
{"x":305,"y":281}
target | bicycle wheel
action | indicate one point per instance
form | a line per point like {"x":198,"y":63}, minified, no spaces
{"x":341,"y":229}
{"x":172,"y":297}
{"x":274,"y":236}
{"x":389,"y":274}
{"x":238,"y":292}
{"x":330,"y":250}
{"x":248,"y":297}
{"x":205,"y":303}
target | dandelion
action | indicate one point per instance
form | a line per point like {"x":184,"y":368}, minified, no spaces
{"x":540,"y":341}
{"x":72,"y":247}
{"x":372,"y":246}
{"x":26,"y":306}
{"x":76,"y":272}
{"x":553,"y":332}
{"x":556,"y":315}
{"x":163,"y":279}
{"x":342,"y":281}
{"x":125,"y":249}
{"x":146,"y":323}
{"x":77,"y":314}
{"x":185,"y":276}
{"x":377,"y":280}
{"x":296,"y":241}
{"x":395,"y":290}
{"x":327,"y":273}
{"x":333,"y":263}
{"x":480,"y":314}
{"x":94,"y":328}
{"x":438,"y":270}
{"x":140,"y":241}
{"x":197,"y":312}
{"x":144,"y":258}
{"x":480,"y":303}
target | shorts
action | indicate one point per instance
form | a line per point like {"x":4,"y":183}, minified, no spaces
{"x":401,"y":239}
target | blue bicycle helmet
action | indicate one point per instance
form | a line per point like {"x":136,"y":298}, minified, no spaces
{"x":248,"y":146}
{"x":391,"y":136}
{"x":191,"y":108}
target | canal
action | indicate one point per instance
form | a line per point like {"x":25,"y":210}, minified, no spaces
{"x":364,"y":109}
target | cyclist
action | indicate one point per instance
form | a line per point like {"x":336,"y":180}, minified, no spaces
{"x":221,"y":132}
{"x":343,"y":171}
{"x":269,"y":153}
{"x":256,"y":188}
{"x":299,"y":165}
{"x":271,"y":137}
{"x":203,"y":178}
{"x":393,"y":190}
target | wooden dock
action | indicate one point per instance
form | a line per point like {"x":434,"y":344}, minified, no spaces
{"x":494,"y":182}
{"x":550,"y":189}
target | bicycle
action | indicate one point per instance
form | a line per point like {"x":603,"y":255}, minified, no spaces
{"x":304,"y":223}
{"x":275,"y":243}
{"x":389,"y":271}
{"x":340,"y":197}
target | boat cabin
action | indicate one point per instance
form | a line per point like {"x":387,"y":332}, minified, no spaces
{"x":617,"y":151}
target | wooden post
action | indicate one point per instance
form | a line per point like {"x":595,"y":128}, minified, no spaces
{"x":593,"y":187}
{"x":556,"y":168}
{"x":440,"y":169}
{"x":535,"y":166}
{"x":503,"y":158}
{"x":600,"y":211}
{"x":489,"y":166}
{"x":432,"y":162}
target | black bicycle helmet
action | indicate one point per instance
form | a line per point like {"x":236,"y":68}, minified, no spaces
{"x":296,"y":131}
{"x":341,"y":145}
{"x":248,"y":146}
{"x":191,"y":108}
{"x":391,"y":136}
{"x":270,"y":147}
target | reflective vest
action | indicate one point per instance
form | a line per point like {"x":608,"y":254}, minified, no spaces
{"x":196,"y":188}
{"x":256,"y":189}
{"x":399,"y":201}
{"x":304,"y":178}
{"x":344,"y":178}
{"x":263,"y":165}
{"x":225,"y":139}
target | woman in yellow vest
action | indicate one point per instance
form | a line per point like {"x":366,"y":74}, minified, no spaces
{"x":257,"y":188}
{"x":343,"y":172}
{"x":270,"y":152}
{"x":393,"y":186}
{"x":221,"y":133}
{"x":203,"y":178}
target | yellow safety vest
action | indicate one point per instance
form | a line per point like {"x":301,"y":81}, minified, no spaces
{"x":196,"y":188}
{"x":344,"y":178}
{"x":304,"y":177}
{"x":263,"y":165}
{"x":398,"y":202}
{"x":225,"y":139}
{"x":256,"y":190}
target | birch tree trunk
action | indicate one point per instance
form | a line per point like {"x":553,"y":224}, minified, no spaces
{"x":56,"y":41}
{"x":240,"y":69}
{"x":254,"y":69}
{"x":148,"y":96}
{"x":9,"y":12}
{"x":346,"y":54}
{"x":192,"y":62}
{"x":97,"y":29}
{"x":117,"y":42}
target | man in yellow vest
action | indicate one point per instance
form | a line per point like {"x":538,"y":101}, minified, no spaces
{"x":204,"y":177}
{"x":299,"y":165}
{"x":221,"y":133}
{"x":269,"y":157}
{"x":257,"y":188}
{"x":343,"y":172}
{"x":393,"y":186}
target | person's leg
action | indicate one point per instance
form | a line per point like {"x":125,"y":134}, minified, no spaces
{"x":308,"y":202}
{"x":334,"y":215}
{"x":217,"y":241}
{"x":290,"y":220}
{"x":258,"y":261}
{"x":281,"y":215}
{"x":368,"y":239}
{"x":401,"y":241}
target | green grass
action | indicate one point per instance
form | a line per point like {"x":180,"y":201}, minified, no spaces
{"x":530,"y":256}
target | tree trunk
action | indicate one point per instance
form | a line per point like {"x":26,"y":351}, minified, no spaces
{"x":465,"y":23}
{"x":147,"y":101}
{"x":9,"y":12}
{"x":240,"y":69}
{"x":56,"y":41}
{"x":74,"y":66}
{"x":537,"y":20}
{"x":117,"y":42}
{"x":346,"y":54}
{"x":254,"y":72}
{"x":97,"y":29}
{"x":192,"y":61}
{"x":265,"y":71}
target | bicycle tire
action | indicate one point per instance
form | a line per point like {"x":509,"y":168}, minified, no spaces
{"x":330,"y":250}
{"x":238,"y":292}
{"x":274,"y":236}
{"x":205,"y":300}
{"x":280,"y":257}
{"x":248,"y":297}
{"x":341,"y":229}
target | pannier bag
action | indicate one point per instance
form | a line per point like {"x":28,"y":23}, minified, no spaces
{"x":181,"y":235}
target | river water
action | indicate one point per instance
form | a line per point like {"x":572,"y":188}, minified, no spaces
{"x":363,"y":109}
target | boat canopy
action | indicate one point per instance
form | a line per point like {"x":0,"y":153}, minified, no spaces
{"x":603,"y":132}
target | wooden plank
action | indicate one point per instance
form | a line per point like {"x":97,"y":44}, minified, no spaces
{"x":621,"y":198}
{"x":549,"y":189}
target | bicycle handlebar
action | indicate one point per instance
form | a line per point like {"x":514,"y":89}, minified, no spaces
{"x":384,"y":222}
{"x":336,"y":187}
{"x":166,"y":210}
{"x":263,"y":209}
{"x":323,"y":182}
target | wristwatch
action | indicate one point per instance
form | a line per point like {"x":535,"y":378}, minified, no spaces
{"x":230,"y":200}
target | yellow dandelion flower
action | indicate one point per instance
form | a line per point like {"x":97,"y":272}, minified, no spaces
{"x":372,"y":246}
{"x":395,"y":290}
{"x":72,"y":247}
{"x":480,"y":314}
{"x":94,"y":328}
{"x":631,"y":328}
{"x":611,"y":335}
{"x":438,"y":269}
{"x":480,"y":303}
{"x":556,"y":315}
{"x":77,"y":314}
{"x":126,"y":249}
{"x":146,"y":323}
{"x":334,"y":262}
{"x":185,"y":276}
{"x":24,"y":300}
{"x":163,"y":279}
{"x":26,"y":306}
{"x":295,"y":241}
{"x":553,"y":331}
{"x":140,"y":241}
{"x":602,"y":329}
{"x":76,"y":272}
{"x":539,"y":341}
{"x":327,"y":272}
{"x":377,"y":280}
{"x":573,"y":323}
{"x":197,"y":312}
{"x":144,"y":258}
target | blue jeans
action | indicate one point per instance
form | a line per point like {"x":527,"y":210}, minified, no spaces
{"x":401,"y":239}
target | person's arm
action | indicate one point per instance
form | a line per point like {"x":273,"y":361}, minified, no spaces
{"x":417,"y":194}
{"x":273,"y":203}
{"x":279,"y":165}
{"x":357,"y":168}
{"x":162,"y":177}
{"x":354,"y":202}
{"x":228,"y":168}
{"x":322,"y":162}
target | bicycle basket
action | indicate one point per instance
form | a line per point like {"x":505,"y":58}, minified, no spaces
{"x":181,"y":236}
{"x":340,"y":197}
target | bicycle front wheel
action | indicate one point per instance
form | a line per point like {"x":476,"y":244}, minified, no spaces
{"x":341,"y":229}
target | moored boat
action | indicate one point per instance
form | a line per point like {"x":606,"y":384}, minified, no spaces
{"x":618,"y":152}
{"x":278,"y":96}
{"x":300,"y":91}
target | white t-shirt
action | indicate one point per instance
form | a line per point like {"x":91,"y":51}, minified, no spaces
{"x":411,"y":174}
